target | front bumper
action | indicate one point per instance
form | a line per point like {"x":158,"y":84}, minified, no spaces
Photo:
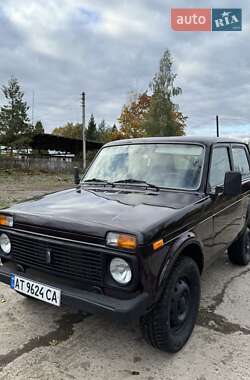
{"x":87,"y":301}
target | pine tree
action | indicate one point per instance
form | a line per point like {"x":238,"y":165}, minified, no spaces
{"x":114,"y":128}
{"x":102,"y":127}
{"x":38,"y":128}
{"x":15,"y":130}
{"x":101,"y":131}
{"x":91,"y":133}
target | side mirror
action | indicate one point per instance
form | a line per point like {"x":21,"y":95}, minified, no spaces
{"x":232,"y":184}
{"x":76,"y":176}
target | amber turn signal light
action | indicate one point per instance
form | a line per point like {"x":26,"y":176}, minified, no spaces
{"x":6,"y":220}
{"x":158,"y":244}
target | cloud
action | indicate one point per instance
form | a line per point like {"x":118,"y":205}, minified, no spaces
{"x":107,"y":49}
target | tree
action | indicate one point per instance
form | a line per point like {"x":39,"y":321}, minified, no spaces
{"x":133,"y":115}
{"x":70,"y":130}
{"x":106,"y":133}
{"x":91,"y":133}
{"x":38,"y":128}
{"x":15,"y":130}
{"x":114,"y":133}
{"x":163,"y":117}
{"x":102,"y":132}
{"x":155,"y":114}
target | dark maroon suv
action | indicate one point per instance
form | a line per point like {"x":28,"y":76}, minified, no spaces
{"x":135,"y":234}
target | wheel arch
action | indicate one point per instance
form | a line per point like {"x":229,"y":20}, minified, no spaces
{"x":194,"y":251}
{"x":187,"y":246}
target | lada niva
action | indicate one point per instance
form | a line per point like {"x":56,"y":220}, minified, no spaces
{"x":134,"y":235}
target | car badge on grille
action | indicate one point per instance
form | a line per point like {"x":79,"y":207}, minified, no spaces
{"x":48,"y":256}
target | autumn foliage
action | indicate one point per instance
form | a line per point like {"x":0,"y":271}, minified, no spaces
{"x":132,"y":116}
{"x":150,"y":113}
{"x":155,"y":114}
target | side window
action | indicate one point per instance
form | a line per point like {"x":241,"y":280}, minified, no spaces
{"x":220,"y":164}
{"x":241,"y":163}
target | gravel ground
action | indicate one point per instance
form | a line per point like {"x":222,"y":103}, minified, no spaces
{"x":39,"y":341}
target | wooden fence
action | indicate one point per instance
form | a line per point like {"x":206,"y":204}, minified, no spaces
{"x":47,"y":165}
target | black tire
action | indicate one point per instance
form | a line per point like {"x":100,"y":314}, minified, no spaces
{"x":239,"y":251}
{"x":169,"y":325}
{"x":248,"y":216}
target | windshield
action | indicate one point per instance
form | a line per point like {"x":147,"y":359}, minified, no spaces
{"x":167,"y":165}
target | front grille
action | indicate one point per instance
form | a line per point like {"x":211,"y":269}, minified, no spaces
{"x":67,"y":260}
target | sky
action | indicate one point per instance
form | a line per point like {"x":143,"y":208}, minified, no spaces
{"x":59,"y":48}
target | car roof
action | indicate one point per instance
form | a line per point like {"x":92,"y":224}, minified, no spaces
{"x":204,"y":140}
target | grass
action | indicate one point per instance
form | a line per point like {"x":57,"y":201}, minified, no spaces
{"x":16,"y":186}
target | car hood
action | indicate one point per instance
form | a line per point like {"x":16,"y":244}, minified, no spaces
{"x":96,"y":211}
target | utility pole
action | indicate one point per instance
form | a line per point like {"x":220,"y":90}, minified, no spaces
{"x":217,"y":126}
{"x":33,"y":105}
{"x":83,"y":133}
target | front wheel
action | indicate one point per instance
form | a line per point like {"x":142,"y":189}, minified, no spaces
{"x":169,"y":325}
{"x":239,"y":251}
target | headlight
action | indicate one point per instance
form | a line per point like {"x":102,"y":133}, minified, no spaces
{"x":5,"y":243}
{"x":6,"y":220}
{"x":121,"y":240}
{"x":120,"y":271}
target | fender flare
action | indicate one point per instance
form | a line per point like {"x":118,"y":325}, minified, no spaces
{"x":174,"y":252}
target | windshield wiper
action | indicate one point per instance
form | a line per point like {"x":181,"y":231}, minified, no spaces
{"x":136,"y":181}
{"x":98,"y":181}
{"x":123,"y":181}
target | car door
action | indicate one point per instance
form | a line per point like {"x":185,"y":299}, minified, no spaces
{"x":241,"y":163}
{"x":227,"y":210}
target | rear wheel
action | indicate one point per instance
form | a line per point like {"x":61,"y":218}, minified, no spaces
{"x":169,"y":325}
{"x":239,"y":251}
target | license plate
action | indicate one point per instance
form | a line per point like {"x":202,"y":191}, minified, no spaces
{"x":36,"y":289}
